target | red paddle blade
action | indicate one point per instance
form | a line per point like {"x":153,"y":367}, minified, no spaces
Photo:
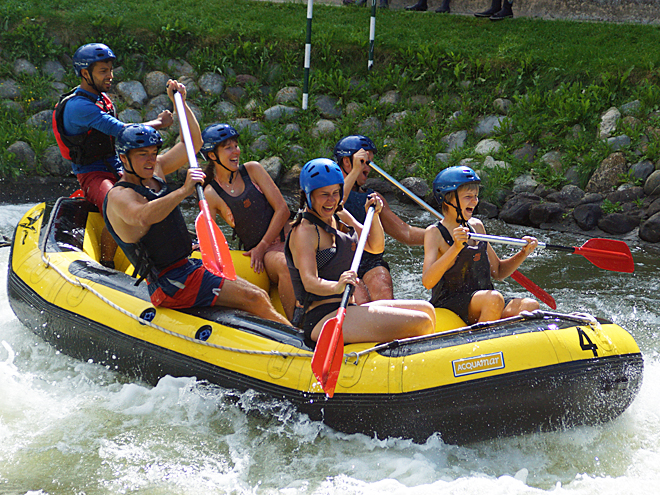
{"x":542,"y":295}
{"x":608,"y":254}
{"x":213,"y":246}
{"x":329,"y":353}
{"x":77,"y":194}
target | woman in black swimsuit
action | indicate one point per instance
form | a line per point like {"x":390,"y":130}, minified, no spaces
{"x":319,"y":252}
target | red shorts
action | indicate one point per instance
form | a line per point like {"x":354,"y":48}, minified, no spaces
{"x":186,"y":284}
{"x":96,"y":185}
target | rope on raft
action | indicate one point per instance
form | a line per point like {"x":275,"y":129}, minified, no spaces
{"x":351,"y":357}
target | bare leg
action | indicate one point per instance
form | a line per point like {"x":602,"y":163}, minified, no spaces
{"x":379,"y":283}
{"x":361,"y":293}
{"x":243,"y":295}
{"x":409,"y":304}
{"x":517,"y":305}
{"x":108,"y":246}
{"x":278,"y":272}
{"x":380,"y":323}
{"x":486,"y":305}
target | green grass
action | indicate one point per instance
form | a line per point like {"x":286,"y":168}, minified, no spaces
{"x":558,"y":73}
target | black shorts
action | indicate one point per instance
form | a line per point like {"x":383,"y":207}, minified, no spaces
{"x":459,"y":303}
{"x":370,"y":261}
{"x":313,"y":316}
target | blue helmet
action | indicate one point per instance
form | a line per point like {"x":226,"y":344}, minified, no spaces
{"x":134,"y":136}
{"x":88,"y":54}
{"x":350,"y":145}
{"x":451,"y":179}
{"x":216,"y":134}
{"x":320,"y":172}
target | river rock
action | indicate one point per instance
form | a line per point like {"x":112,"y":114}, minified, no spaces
{"x":156,"y":106}
{"x":9,"y":89}
{"x":631,"y":108}
{"x":524,"y":184}
{"x":42,"y":120}
{"x":650,"y":230}
{"x":617,"y":223}
{"x":323,"y":127}
{"x":625,"y":195}
{"x":587,"y":215}
{"x":180,"y":68}
{"x":289,"y":94}
{"x":133,"y":93}
{"x":54,"y":69}
{"x":13,"y":106}
{"x":608,"y":122}
{"x":54,"y":163}
{"x":502,"y":106}
{"x":486,"y":209}
{"x":546,"y":213}
{"x":487,"y":147}
{"x":155,"y":83}
{"x":516,"y":210}
{"x":253,"y":127}
{"x":489,"y":125}
{"x":653,"y":208}
{"x":391,"y":97}
{"x":652,"y":184}
{"x":370,"y":125}
{"x":328,"y":107}
{"x":607,"y":174}
{"x":224,"y":109}
{"x":526,"y":153}
{"x":417,"y":186}
{"x":211,"y":83}
{"x":292,"y":129}
{"x":23,"y":66}
{"x":234,"y":94}
{"x":24,"y":155}
{"x":554,"y":160}
{"x":454,"y":141}
{"x":130,"y":115}
{"x":395,"y":119}
{"x":278,"y":112}
{"x":273,"y":165}
{"x":260,"y":145}
{"x":569,"y":196}
{"x":642,"y":170}
{"x":617,"y":142}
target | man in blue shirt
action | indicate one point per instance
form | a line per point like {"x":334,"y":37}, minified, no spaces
{"x":85,"y":126}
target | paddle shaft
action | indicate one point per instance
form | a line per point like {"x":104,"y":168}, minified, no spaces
{"x":516,"y":275}
{"x":337,"y":333}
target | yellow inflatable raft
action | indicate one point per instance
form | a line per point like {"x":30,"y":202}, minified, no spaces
{"x":531,"y":373}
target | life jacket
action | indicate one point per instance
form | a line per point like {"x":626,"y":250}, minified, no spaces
{"x":355,"y":204}
{"x":469,"y":273}
{"x":85,"y":148}
{"x":251,"y":210}
{"x":164,"y":244}
{"x":330,"y":263}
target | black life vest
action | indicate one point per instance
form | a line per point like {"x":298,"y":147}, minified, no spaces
{"x":329,"y":267}
{"x":251,"y":210}
{"x":469,"y":273}
{"x":164,"y":244}
{"x":85,"y":148}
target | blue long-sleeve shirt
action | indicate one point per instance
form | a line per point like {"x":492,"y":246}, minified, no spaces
{"x":80,"y":116}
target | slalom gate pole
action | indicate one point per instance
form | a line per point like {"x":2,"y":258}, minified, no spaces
{"x":308,"y":53}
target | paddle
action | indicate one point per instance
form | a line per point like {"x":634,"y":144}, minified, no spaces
{"x":517,"y":276}
{"x":607,"y":254}
{"x":329,"y":351}
{"x":212,"y":243}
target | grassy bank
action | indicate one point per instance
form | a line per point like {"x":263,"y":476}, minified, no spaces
{"x":558,"y":74}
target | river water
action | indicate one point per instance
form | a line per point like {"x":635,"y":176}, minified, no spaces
{"x":70,"y":427}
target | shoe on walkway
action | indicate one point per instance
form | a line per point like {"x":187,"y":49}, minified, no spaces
{"x":420,"y":6}
{"x":383,"y":4}
{"x":505,"y":13}
{"x":495,"y":7}
{"x":444,"y":8}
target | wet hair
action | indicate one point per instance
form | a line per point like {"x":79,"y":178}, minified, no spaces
{"x":302,"y":204}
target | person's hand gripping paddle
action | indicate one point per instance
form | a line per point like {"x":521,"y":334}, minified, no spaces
{"x":329,"y":351}
{"x":216,"y":255}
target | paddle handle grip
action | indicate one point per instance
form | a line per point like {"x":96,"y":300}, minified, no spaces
{"x":185,"y":130}
{"x":348,"y":290}
{"x":506,"y":240}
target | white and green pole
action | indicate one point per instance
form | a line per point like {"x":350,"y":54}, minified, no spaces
{"x":308,"y":53}
{"x":372,"y":34}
